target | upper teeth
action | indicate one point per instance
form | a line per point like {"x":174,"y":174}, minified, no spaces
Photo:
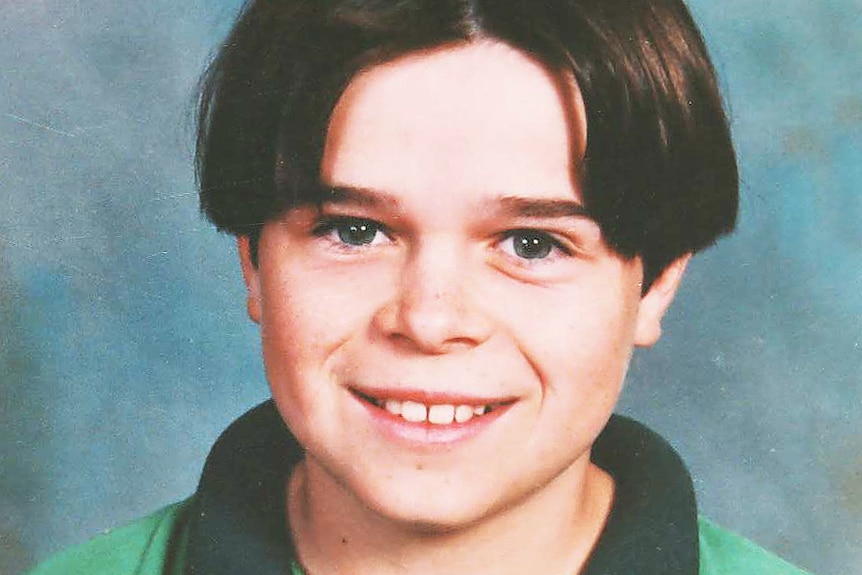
{"x":416,"y":412}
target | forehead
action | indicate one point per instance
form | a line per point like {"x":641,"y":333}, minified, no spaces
{"x":475,"y":116}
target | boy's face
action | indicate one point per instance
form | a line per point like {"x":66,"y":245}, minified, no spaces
{"x":452,"y":273}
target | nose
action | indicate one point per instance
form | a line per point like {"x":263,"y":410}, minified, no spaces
{"x":433,"y":309}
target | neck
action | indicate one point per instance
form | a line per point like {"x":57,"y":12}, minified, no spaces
{"x":551,"y":531}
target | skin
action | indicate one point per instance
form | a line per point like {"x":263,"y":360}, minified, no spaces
{"x":446,"y":157}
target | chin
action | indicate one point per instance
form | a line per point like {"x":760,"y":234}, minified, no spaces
{"x":429,"y":524}
{"x":424,"y":515}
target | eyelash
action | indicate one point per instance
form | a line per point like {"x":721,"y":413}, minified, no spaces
{"x":549,"y":241}
{"x":326,"y":225}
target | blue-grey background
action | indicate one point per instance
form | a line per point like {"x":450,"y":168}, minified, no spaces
{"x":124,"y":347}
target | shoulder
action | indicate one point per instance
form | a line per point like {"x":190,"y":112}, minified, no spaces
{"x":726,"y":553}
{"x":139,"y":548}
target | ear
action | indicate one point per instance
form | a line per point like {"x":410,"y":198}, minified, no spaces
{"x":251,"y":276}
{"x":656,"y":301}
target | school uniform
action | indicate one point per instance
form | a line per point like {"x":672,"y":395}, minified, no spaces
{"x":235,"y":521}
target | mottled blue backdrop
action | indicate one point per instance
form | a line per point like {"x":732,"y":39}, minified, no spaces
{"x":124,"y":347}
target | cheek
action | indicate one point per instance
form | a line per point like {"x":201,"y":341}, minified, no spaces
{"x":579,"y":338}
{"x":308,"y":313}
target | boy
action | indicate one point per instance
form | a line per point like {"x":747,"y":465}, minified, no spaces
{"x":455,"y":221}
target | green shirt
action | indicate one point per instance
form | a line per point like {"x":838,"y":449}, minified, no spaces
{"x":234,"y":524}
{"x":155,"y":545}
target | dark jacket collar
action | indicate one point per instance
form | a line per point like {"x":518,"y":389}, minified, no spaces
{"x":237,"y":524}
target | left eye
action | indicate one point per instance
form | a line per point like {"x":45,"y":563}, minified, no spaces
{"x":358,"y":232}
{"x":531,"y":244}
{"x":350,"y":231}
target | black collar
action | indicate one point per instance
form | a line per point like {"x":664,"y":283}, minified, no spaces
{"x":237,"y":526}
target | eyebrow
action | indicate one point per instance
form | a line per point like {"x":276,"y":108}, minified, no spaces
{"x":363,"y":197}
{"x":508,"y":206}
{"x":516,"y":206}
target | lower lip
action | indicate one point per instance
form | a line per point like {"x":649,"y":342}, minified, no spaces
{"x":424,"y":434}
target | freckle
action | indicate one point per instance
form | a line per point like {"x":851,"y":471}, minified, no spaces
{"x":419,"y":467}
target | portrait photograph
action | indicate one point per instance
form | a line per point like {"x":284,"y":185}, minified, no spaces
{"x":284,"y":283}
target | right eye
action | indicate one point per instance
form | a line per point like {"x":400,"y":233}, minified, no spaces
{"x":354,"y":232}
{"x":531,"y":244}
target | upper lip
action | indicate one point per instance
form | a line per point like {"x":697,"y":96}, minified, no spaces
{"x":430,"y":397}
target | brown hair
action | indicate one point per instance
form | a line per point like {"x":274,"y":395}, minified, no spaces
{"x":659,"y":171}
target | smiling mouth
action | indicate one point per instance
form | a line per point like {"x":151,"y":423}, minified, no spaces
{"x":434,"y":414}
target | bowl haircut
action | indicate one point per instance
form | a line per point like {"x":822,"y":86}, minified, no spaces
{"x":659,"y":172}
